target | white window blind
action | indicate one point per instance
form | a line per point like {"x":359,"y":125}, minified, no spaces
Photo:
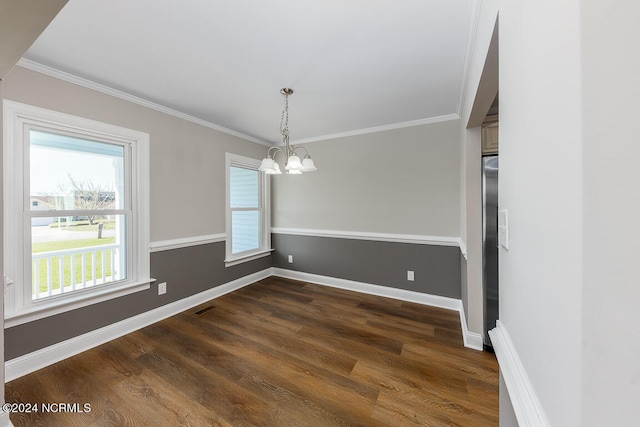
{"x":248,"y":223}
{"x":244,"y":190}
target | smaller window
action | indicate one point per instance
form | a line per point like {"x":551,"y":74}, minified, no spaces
{"x":247,"y":203}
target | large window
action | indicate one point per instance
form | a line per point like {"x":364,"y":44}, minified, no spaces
{"x":76,"y":217}
{"x":247,"y":210}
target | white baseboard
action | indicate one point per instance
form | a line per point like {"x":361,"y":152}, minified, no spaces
{"x":15,"y":368}
{"x":471,"y":339}
{"x":367,"y":288}
{"x":31,"y":362}
{"x":523,"y":397}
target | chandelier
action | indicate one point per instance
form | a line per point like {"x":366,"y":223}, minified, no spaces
{"x":293,"y":165}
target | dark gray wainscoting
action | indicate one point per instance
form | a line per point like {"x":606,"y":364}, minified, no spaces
{"x":187,"y":272}
{"x":463,"y":285}
{"x":437,"y":268}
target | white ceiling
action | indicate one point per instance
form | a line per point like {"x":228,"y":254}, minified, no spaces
{"x":354,"y":64}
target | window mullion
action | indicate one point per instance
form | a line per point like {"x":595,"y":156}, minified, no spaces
{"x":245,"y":209}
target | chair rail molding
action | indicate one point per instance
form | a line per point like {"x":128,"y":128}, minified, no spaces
{"x":364,"y":235}
{"x":185,"y":242}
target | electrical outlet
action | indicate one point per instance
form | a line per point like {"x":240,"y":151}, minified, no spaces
{"x":162,"y":288}
{"x":410,"y":276}
{"x":290,"y":259}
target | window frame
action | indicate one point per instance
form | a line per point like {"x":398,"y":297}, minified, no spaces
{"x":264,"y":188}
{"x":18,"y":120}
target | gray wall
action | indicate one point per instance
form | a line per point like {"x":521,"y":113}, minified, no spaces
{"x":187,"y":271}
{"x":507,"y":414}
{"x":437,"y":268}
{"x":416,"y":193}
{"x":187,"y":163}
{"x":474,"y":97}
{"x":403,"y":181}
{"x":20,"y":24}
{"x":187,"y":185}
{"x":464,"y":295}
{"x":610,"y":60}
{"x":541,"y":186}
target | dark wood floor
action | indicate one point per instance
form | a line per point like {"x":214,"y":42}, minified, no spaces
{"x":276,"y":353}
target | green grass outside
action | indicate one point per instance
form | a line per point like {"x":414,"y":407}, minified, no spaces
{"x":84,"y":225}
{"x":67,"y":273}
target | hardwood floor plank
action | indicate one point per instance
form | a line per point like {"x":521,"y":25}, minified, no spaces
{"x":340,"y":386}
{"x":224,"y":397}
{"x":157,"y":399}
{"x":246,"y":309}
{"x":274,"y":379}
{"x":279,"y":352}
{"x":395,"y":412}
{"x":437,"y":317}
{"x":480,"y":364}
{"x":436,"y":404}
{"x":255,"y":330}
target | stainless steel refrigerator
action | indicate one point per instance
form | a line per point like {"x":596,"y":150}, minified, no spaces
{"x":490,"y":245}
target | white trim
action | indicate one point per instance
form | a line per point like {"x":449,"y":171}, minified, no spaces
{"x":53,"y":306}
{"x":19,"y":307}
{"x":80,"y":81}
{"x":392,"y":126}
{"x":463,"y":248}
{"x":71,"y":78}
{"x":368,"y":288}
{"x":471,"y":339}
{"x":472,"y":33}
{"x":523,"y":396}
{"x":165,"y":245}
{"x":381,"y":237}
{"x":245,"y":258}
{"x":264,"y":208}
{"x":185,"y":242}
{"x":23,"y":365}
{"x":15,"y":368}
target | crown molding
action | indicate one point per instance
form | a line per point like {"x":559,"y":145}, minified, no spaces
{"x":472,"y":33}
{"x":401,"y":125}
{"x":80,"y":81}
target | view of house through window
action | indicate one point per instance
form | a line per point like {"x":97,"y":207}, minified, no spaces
{"x":79,"y":212}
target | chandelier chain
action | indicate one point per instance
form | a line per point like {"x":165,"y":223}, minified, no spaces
{"x":293,"y":163}
{"x":284,"y":120}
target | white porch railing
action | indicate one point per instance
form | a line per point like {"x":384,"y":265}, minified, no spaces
{"x":59,"y":272}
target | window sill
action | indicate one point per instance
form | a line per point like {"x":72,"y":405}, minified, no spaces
{"x":239,"y":259}
{"x":43,"y":309}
